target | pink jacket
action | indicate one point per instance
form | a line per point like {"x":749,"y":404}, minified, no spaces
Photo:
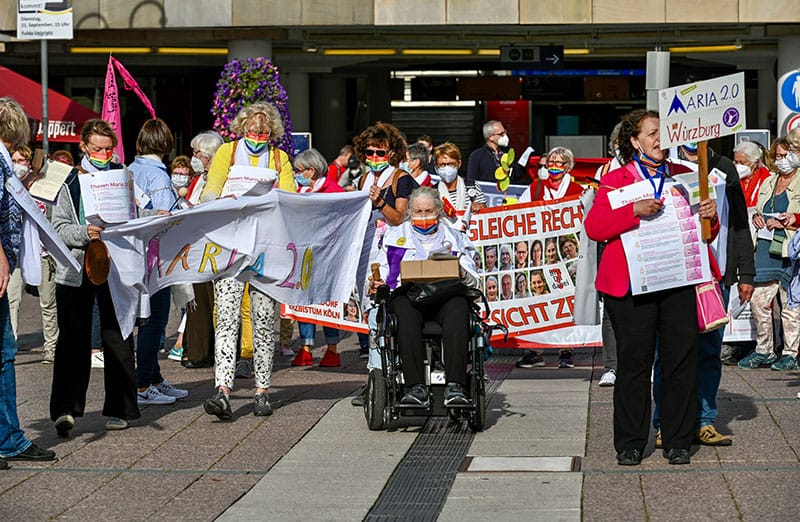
{"x":604,"y":224}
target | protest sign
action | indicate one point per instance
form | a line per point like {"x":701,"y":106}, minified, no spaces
{"x":701,"y":111}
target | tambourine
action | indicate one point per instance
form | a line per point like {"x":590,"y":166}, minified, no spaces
{"x":97,"y":262}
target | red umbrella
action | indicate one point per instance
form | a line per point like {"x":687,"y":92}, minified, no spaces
{"x":66,"y":117}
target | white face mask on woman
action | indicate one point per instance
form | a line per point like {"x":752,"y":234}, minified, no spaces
{"x":197,"y":165}
{"x":448,"y":173}
{"x":743,"y":170}
{"x":784,"y":166}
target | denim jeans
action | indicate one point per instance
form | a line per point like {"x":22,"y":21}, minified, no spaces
{"x":149,"y":338}
{"x":12,"y":440}
{"x":708,"y":376}
{"x":308,"y":332}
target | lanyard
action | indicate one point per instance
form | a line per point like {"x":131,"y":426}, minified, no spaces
{"x":656,"y":190}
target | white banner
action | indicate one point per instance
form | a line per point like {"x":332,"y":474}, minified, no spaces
{"x":43,"y":20}
{"x":701,"y":111}
{"x":47,"y":234}
{"x":299,"y":249}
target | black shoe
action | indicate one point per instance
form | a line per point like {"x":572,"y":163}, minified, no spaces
{"x":262,"y":407}
{"x":34,"y":452}
{"x":196,"y":364}
{"x":631,"y":457}
{"x":677,"y":456}
{"x":3,"y":463}
{"x":219,"y":405}
{"x":417,"y":395}
{"x":64,"y":424}
{"x":454,"y":395}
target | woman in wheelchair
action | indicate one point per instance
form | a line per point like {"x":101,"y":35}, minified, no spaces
{"x":424,"y":232}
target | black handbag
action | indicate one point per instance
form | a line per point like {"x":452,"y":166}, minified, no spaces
{"x":426,"y":294}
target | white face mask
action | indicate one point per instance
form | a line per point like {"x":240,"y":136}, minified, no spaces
{"x":783,"y":166}
{"x":448,"y":173}
{"x":20,"y":170}
{"x":503,"y":140}
{"x":197,"y":165}
{"x":543,"y":174}
{"x":794,"y":161}
{"x":180,"y":180}
{"x":743,"y":170}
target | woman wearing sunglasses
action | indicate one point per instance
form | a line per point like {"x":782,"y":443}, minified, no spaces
{"x":554,"y":181}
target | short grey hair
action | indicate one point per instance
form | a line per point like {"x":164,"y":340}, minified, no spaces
{"x":564,"y":153}
{"x":750,"y":150}
{"x":207,"y":143}
{"x":488,"y":128}
{"x":422,"y":193}
{"x":418,"y":151}
{"x":312,"y":159}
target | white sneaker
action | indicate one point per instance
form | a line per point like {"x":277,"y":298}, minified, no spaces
{"x":608,"y":378}
{"x":152,"y":396}
{"x":97,"y":360}
{"x":166,"y":388}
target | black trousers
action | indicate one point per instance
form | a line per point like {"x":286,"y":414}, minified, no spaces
{"x":198,"y":336}
{"x":669,"y":318}
{"x":453,"y":315}
{"x":72,"y":366}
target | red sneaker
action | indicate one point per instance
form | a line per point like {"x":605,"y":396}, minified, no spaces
{"x":303,"y":358}
{"x":331,"y":359}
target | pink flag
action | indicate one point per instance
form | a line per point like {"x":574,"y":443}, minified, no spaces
{"x":130,"y":84}
{"x":111,"y":108}
{"x":111,"y":111}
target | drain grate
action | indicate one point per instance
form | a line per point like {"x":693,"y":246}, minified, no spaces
{"x":419,"y":485}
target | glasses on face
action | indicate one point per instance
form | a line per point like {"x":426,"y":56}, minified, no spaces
{"x":556,"y":163}
{"x":779,"y":155}
{"x":381,"y":153}
{"x":97,"y":148}
{"x":502,"y":133}
{"x":197,"y":153}
{"x":447,"y":164}
{"x":300,"y":170}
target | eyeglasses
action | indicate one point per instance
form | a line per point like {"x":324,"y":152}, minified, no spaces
{"x":300,"y":171}
{"x":376,"y":152}
{"x":557,"y":163}
{"x":96,"y":148}
{"x":447,"y":164}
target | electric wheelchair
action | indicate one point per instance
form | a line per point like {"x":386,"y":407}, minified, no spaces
{"x":386,"y":386}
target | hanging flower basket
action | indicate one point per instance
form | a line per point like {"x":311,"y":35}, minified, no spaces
{"x":246,"y":81}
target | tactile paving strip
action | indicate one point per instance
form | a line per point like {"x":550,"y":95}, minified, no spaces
{"x":419,"y":485}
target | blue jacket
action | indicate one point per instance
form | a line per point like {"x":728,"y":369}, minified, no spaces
{"x":151,"y":176}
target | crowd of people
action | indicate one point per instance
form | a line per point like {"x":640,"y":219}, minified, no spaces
{"x":230,"y":325}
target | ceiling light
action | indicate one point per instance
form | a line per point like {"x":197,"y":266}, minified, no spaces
{"x":576,"y":52}
{"x":488,"y":52}
{"x":359,"y":52}
{"x":705,"y":48}
{"x":110,"y":50}
{"x":220,"y":51}
{"x":437,"y":52}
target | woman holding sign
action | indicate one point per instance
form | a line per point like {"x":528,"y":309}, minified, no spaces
{"x":258,"y":124}
{"x":668,"y":316}
{"x":75,"y":297}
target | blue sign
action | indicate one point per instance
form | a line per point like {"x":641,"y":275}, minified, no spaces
{"x":790,"y":92}
{"x":302,"y":141}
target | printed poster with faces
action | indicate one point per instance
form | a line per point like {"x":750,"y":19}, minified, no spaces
{"x":527,"y":258}
{"x":666,"y":250}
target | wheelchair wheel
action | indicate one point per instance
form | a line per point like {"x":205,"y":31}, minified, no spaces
{"x":375,"y":400}
{"x":477,"y":417}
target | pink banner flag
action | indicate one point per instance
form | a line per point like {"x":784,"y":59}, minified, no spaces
{"x":111,"y":112}
{"x":130,"y":84}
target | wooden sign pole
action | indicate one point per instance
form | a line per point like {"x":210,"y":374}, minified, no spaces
{"x":702,"y":178}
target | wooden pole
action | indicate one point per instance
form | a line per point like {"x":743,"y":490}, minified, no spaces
{"x":702,"y":178}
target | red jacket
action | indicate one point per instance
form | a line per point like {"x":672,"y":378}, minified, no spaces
{"x":604,"y":224}
{"x":330,"y":185}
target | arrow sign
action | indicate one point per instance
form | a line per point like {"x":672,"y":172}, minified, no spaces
{"x":552,"y":59}
{"x":533,"y":56}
